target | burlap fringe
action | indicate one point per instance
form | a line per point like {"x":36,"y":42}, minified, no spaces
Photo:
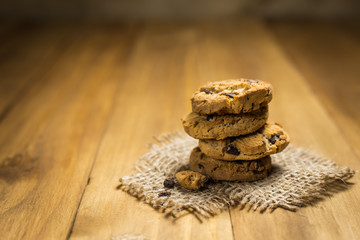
{"x":299,"y":178}
{"x":129,"y":236}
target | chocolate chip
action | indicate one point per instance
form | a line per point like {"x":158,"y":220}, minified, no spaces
{"x":274,"y":138}
{"x":232,"y":139}
{"x":207,"y":180}
{"x":257,"y":172}
{"x":230,"y":95}
{"x":207,"y":91}
{"x":169,"y":183}
{"x":259,"y":163}
{"x":205,"y":183}
{"x":209,"y":117}
{"x":200,"y":166}
{"x":232,"y":150}
{"x":164,"y":194}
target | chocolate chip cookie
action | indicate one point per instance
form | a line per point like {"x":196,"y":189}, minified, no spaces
{"x":223,"y":126}
{"x":267,"y":140}
{"x":229,"y":171}
{"x":231,"y":96}
{"x":191,"y":180}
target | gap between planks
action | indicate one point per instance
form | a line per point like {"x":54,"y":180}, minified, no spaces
{"x":130,"y":49}
{"x":341,"y":36}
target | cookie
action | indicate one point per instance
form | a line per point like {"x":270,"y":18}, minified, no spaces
{"x":229,"y":171}
{"x":223,"y":126}
{"x":231,"y":97}
{"x":267,"y":140}
{"x":191,"y":180}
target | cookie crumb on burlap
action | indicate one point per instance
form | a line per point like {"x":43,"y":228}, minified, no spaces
{"x":298,"y":178}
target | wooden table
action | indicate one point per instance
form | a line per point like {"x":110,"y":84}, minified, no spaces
{"x":79,"y":103}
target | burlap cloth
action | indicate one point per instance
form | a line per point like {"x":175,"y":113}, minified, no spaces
{"x":298,"y":178}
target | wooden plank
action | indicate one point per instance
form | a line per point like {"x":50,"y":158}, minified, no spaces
{"x":210,"y":52}
{"x":328,"y":55}
{"x":154,"y":95}
{"x":350,"y":27}
{"x":49,"y":140}
{"x":246,"y":48}
{"x":24,"y":58}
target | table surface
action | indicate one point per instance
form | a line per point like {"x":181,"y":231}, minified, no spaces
{"x":79,"y":103}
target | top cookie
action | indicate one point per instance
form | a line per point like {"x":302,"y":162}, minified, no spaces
{"x":231,"y":96}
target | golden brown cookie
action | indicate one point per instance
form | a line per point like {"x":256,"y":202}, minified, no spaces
{"x":223,"y":126}
{"x":267,"y":140}
{"x":229,"y":171}
{"x":231,"y":96}
{"x":191,"y":180}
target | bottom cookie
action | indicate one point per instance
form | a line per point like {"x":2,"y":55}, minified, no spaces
{"x":240,"y":170}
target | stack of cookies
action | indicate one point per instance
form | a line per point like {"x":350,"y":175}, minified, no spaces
{"x":235,"y":140}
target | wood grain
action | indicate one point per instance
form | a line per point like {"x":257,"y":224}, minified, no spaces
{"x":25,"y":56}
{"x":80,"y":102}
{"x":150,"y":101}
{"x":328,"y":56}
{"x":50,"y":138}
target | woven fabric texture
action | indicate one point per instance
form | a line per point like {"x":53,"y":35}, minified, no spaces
{"x":298,"y":178}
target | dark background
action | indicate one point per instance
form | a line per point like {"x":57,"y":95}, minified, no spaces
{"x":178,"y":9}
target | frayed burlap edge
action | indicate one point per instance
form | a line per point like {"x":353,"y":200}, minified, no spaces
{"x":299,"y":177}
{"x":129,"y":236}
